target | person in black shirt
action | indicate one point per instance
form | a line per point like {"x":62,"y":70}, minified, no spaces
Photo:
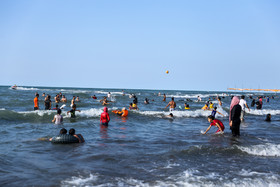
{"x":48,"y":103}
{"x":234,"y":116}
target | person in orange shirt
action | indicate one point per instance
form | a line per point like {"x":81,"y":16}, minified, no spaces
{"x":122,"y":113}
{"x":36,"y":104}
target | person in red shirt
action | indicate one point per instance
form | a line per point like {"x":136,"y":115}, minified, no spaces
{"x":105,"y":118}
{"x":217,"y":123}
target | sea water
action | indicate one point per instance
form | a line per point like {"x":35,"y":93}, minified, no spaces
{"x":144,"y":149}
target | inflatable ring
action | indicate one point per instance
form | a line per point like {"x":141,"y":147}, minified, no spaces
{"x":64,"y":139}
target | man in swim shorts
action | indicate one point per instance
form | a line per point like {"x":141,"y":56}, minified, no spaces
{"x":36,"y":104}
{"x":171,"y":104}
{"x":215,"y":122}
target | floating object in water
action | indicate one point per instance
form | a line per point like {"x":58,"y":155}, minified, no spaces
{"x":167,"y":72}
{"x":64,"y":139}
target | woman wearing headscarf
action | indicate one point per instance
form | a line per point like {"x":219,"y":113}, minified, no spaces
{"x":234,"y":116}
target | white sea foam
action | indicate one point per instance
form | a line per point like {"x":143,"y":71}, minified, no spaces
{"x":80,"y":181}
{"x":188,"y":178}
{"x":187,"y":113}
{"x":25,"y":88}
{"x":93,"y":112}
{"x":266,"y":149}
{"x":39,"y":112}
{"x":2,"y":109}
{"x":112,"y":93}
{"x":193,"y":96}
{"x":195,"y":178}
{"x":263,"y":112}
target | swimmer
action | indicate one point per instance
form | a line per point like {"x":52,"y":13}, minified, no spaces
{"x":48,"y":102}
{"x":134,"y":106}
{"x":63,"y":99}
{"x":215,"y":122}
{"x":109,"y":95}
{"x":36,"y":104}
{"x":104,"y":117}
{"x":187,"y":107}
{"x":170,"y":116}
{"x":104,"y":101}
{"x":78,"y":136}
{"x":171,"y":104}
{"x":268,"y":117}
{"x":93,"y":97}
{"x":73,"y":101}
{"x":77,"y":99}
{"x":205,"y":107}
{"x":198,"y":99}
{"x":164,"y":97}
{"x":57,"y":99}
{"x":123,"y":94}
{"x":62,"y":131}
{"x":146,"y":101}
{"x":211,"y":105}
{"x":43,"y":95}
{"x":58,"y":119}
{"x":56,"y":107}
{"x":122,"y":113}
{"x":73,"y":110}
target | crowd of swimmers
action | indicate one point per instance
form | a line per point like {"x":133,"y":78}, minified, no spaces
{"x":236,"y":113}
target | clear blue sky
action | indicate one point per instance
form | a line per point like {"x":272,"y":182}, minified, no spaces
{"x":206,"y":45}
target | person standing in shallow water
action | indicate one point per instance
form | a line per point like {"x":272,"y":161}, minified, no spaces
{"x":171,"y":104}
{"x":234,"y":116}
{"x":36,"y":104}
{"x":105,"y":118}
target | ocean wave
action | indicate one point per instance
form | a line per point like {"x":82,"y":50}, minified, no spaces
{"x":25,"y":88}
{"x":189,"y":177}
{"x":268,"y":149}
{"x":187,"y":113}
{"x":93,"y":112}
{"x":194,"y":96}
{"x":263,"y":112}
{"x":112,"y":93}
{"x":80,"y":181}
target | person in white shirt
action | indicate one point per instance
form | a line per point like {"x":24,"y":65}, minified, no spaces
{"x":58,"y":119}
{"x":243,"y":103}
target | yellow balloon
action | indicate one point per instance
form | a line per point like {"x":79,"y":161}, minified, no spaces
{"x":167,"y":71}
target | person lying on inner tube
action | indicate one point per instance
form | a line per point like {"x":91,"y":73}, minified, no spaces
{"x":78,"y":136}
{"x":62,"y":131}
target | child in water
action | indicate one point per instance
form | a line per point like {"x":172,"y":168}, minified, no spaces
{"x":73,"y":110}
{"x":187,"y":107}
{"x":58,"y":119}
{"x":217,"y":123}
{"x":214,"y":111}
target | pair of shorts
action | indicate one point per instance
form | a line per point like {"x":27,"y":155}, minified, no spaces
{"x":242,"y":114}
{"x":105,"y":124}
{"x":171,"y":109}
{"x":36,"y":108}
